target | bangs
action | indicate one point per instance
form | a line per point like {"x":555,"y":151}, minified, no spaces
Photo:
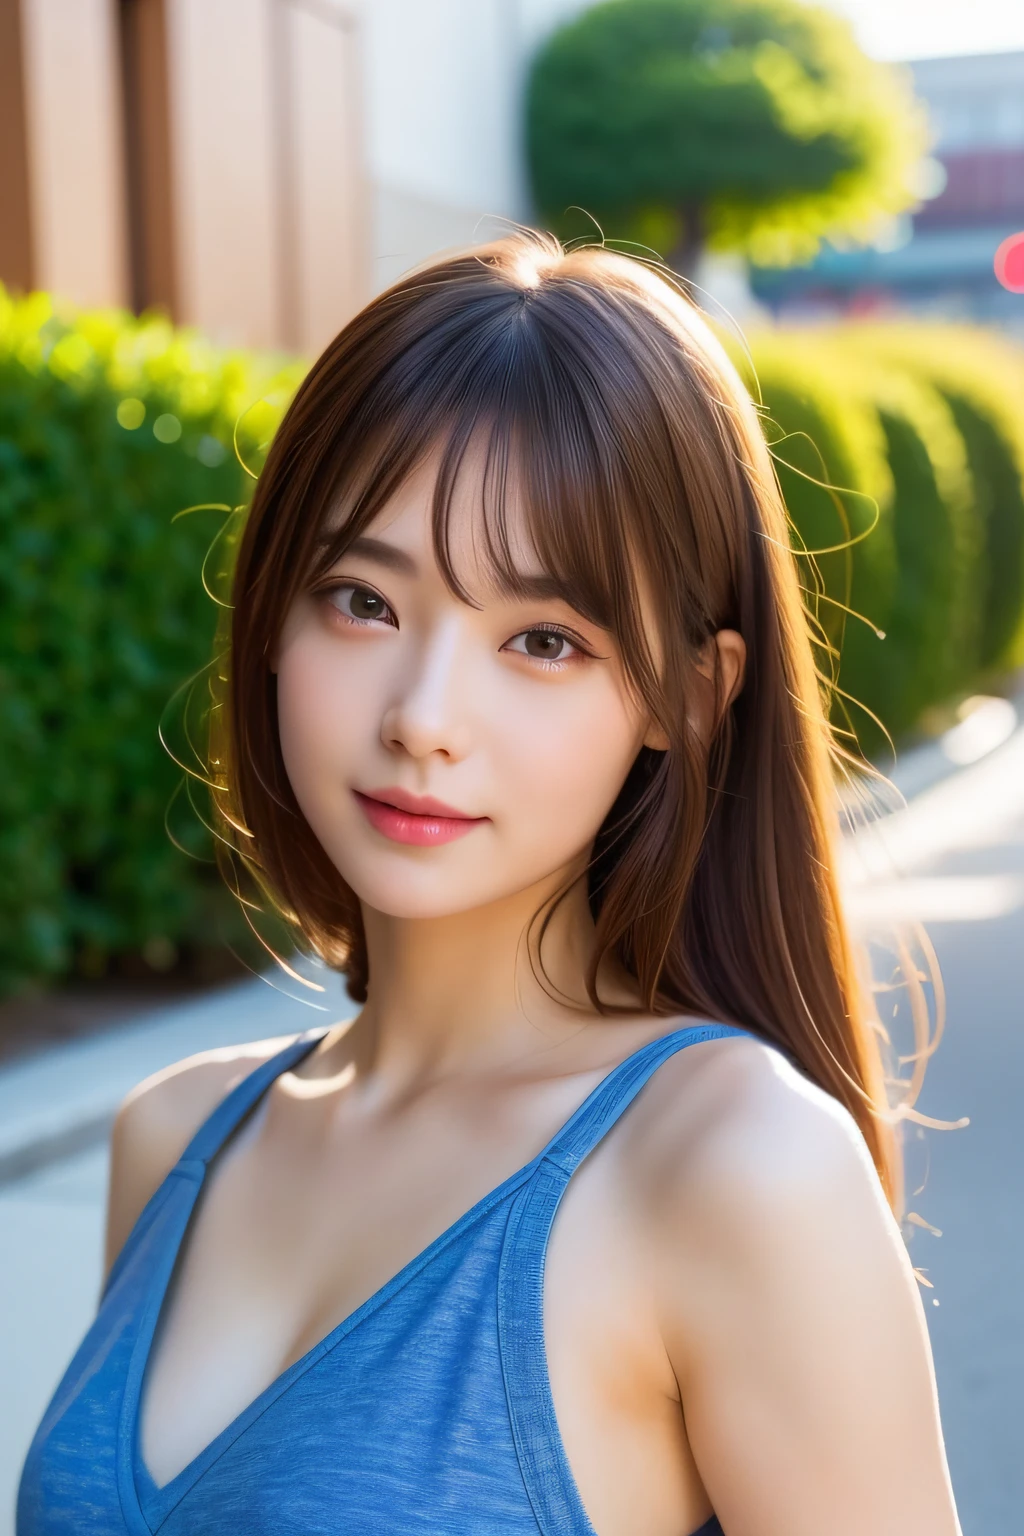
{"x":548,"y":407}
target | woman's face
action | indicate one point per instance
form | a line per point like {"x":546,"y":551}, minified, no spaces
{"x":446,"y":755}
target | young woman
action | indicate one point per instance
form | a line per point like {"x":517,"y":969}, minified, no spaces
{"x":583,"y":1226}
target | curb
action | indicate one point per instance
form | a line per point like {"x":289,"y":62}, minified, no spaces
{"x":63,"y":1102}
{"x":21,"y":1162}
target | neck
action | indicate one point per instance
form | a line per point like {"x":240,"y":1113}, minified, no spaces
{"x":453,"y":992}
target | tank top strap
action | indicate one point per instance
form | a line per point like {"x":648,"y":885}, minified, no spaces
{"x":613,"y":1096}
{"x":546,"y":1473}
{"x":233,"y":1108}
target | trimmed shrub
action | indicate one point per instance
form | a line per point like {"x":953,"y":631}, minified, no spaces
{"x":918,"y":575}
{"x":830,"y":455}
{"x":934,"y":623}
{"x":109,"y":426}
{"x":981,"y":378}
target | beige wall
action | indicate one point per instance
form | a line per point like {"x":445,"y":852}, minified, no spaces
{"x":220,"y":66}
{"x":230,"y":189}
{"x":15,"y":221}
{"x":73,"y":130}
{"x":266,"y":166}
{"x":282,"y":158}
{"x":326,"y":246}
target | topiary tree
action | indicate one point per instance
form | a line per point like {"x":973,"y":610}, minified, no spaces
{"x":756,"y":125}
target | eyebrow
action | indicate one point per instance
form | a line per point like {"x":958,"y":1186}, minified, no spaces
{"x":384,"y":554}
{"x":531,"y":588}
{"x":540,"y":589}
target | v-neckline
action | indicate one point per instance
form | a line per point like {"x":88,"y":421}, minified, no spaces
{"x":132,"y":1471}
{"x":160,"y":1500}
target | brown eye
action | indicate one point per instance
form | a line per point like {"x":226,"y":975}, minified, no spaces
{"x":362,"y":604}
{"x":546,"y":644}
{"x":366,"y":605}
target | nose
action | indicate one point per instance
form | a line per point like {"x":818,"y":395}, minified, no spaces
{"x":426,"y":716}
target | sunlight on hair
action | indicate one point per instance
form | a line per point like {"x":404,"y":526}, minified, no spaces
{"x":836,"y":998}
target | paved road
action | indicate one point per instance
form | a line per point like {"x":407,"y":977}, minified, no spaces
{"x":974,"y":1193}
{"x":960,"y":849}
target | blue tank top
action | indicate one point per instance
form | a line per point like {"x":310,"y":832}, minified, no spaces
{"x":427,"y":1412}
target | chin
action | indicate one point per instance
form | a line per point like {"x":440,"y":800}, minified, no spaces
{"x":410,"y":888}
{"x":420,"y":904}
{"x":421,"y":890}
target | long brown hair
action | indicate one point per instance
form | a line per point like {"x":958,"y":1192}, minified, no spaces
{"x":639,"y":460}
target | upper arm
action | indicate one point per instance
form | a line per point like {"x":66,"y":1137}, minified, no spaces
{"x":793,"y":1320}
{"x":155,"y":1124}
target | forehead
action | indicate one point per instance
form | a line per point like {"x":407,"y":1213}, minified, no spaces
{"x":470,"y":529}
{"x":494,"y":510}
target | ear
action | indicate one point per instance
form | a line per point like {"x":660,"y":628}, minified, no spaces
{"x":724,"y":652}
{"x":731,"y":649}
{"x":656,"y":738}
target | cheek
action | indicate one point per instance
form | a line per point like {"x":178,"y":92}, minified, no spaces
{"x":546,"y":760}
{"x":320,"y":713}
{"x":565,"y":760}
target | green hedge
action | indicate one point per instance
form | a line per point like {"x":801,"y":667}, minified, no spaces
{"x":109,"y":426}
{"x":982,"y":381}
{"x":930,"y":649}
{"x":951,"y":503}
{"x":831,"y":455}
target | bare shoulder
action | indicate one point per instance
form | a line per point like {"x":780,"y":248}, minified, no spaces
{"x":158,"y":1119}
{"x":735,"y":1139}
{"x":785,"y":1299}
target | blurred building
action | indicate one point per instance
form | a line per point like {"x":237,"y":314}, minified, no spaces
{"x":256,"y":167}
{"x":940,"y":259}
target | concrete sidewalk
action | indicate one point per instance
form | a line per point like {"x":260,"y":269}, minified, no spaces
{"x":61,"y":1102}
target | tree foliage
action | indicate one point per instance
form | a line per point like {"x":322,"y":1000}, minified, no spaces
{"x":754,"y":124}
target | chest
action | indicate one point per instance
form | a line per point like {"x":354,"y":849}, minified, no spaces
{"x":507,"y":1377}
{"x":277,"y":1257}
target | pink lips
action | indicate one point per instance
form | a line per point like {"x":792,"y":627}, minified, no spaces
{"x":417,"y":820}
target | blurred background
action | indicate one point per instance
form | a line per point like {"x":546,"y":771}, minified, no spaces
{"x":196,"y":195}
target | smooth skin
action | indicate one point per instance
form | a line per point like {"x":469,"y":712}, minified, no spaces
{"x":731,"y":1317}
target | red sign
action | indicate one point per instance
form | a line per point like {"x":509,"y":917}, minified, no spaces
{"x":1009,"y":263}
